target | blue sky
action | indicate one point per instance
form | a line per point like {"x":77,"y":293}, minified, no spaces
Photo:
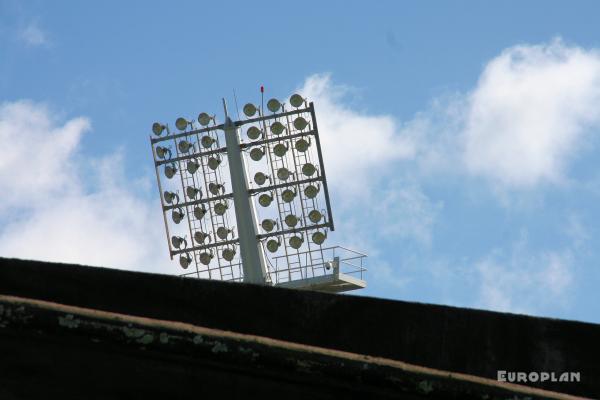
{"x":460,"y":138}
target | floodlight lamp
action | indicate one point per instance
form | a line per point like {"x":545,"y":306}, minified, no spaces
{"x":199,"y":212}
{"x":283,"y":173}
{"x":204,"y":119}
{"x":300,"y":123}
{"x":170,"y":170}
{"x":277,"y":128}
{"x":268,"y":224}
{"x":309,"y":169}
{"x":158,"y":128}
{"x":223,"y":232}
{"x":280,"y":149}
{"x":215,"y":188}
{"x":221,"y":208}
{"x":200,"y":237}
{"x":205,"y":257}
{"x":260,"y":178}
{"x":184,"y":146}
{"x":171,"y":197}
{"x":249,"y":109}
{"x":192,"y":166}
{"x":228,"y":253}
{"x":162,"y":152}
{"x":315,"y":216}
{"x":311,"y":191}
{"x":192,"y":192}
{"x":319,"y":237}
{"x":182,"y":123}
{"x":207,"y":141}
{"x":178,"y":242}
{"x":253,"y":133}
{"x":288,"y":195}
{"x":273,"y":105}
{"x":296,"y":242}
{"x":273,"y":245}
{"x":291,"y":220}
{"x":265,"y":199}
{"x":214,"y":162}
{"x":296,"y":100}
{"x":256,"y":153}
{"x":185,"y":260}
{"x":302,"y":145}
{"x":177,"y":215}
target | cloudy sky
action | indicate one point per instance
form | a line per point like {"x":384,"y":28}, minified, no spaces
{"x":461,"y":141}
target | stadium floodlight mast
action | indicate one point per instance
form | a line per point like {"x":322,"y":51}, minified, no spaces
{"x":262,"y":221}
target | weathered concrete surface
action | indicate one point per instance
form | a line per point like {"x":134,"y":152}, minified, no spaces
{"x":451,"y":339}
{"x":57,"y":351}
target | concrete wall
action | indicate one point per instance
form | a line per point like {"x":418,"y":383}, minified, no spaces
{"x":453,"y":339}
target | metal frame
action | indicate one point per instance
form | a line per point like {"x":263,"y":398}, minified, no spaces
{"x":257,"y":268}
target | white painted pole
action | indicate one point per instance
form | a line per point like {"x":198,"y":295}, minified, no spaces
{"x":251,"y":251}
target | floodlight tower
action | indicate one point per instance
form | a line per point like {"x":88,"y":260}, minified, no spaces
{"x":283,"y":154}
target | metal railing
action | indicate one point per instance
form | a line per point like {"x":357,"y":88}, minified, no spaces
{"x":317,"y":262}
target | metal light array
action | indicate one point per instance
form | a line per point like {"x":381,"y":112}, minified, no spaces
{"x":288,"y":182}
{"x":196,"y":197}
{"x":281,"y":202}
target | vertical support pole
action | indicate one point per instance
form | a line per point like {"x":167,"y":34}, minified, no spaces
{"x":251,"y":252}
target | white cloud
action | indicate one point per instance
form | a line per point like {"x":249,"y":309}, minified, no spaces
{"x":527,"y":116}
{"x":49,"y":213}
{"x":363,"y":154}
{"x":358,"y":148}
{"x":37,"y":160}
{"x":33,"y":35}
{"x":524,"y":281}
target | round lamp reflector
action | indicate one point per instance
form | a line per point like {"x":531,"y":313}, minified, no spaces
{"x":308,"y":169}
{"x":311,"y":191}
{"x":205,"y":258}
{"x":223,"y":232}
{"x":249,"y":109}
{"x":184,"y":146}
{"x":315,"y":216}
{"x":319,"y":237}
{"x":204,"y":119}
{"x":256,"y":154}
{"x":280,"y":149}
{"x":302,"y":145}
{"x":185,"y":261}
{"x":228,"y":253}
{"x":181,"y":123}
{"x":260,"y":178}
{"x":273,"y":105}
{"x":283,"y":173}
{"x":192,"y":166}
{"x":214,"y":162}
{"x":273,"y":245}
{"x":300,"y":123}
{"x":268,"y":225}
{"x":265,"y":199}
{"x":170,"y":171}
{"x":220,"y":208}
{"x":288,"y":195}
{"x":277,"y":128}
{"x":158,"y":128}
{"x":296,"y":242}
{"x":200,"y":237}
{"x":296,"y":100}
{"x":199,"y":212}
{"x":253,"y":133}
{"x":291,"y":220}
{"x":207,"y":141}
